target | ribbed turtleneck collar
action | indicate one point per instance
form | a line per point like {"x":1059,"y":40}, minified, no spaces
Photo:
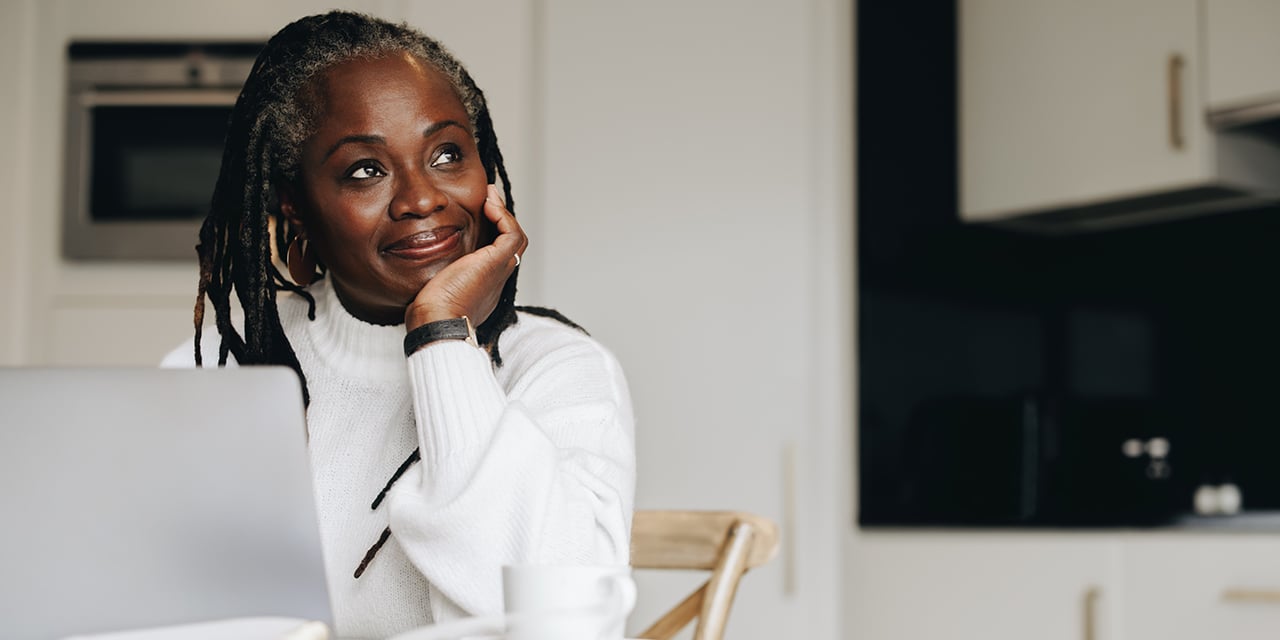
{"x":350,"y":345}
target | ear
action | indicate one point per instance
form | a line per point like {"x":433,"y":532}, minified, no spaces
{"x":287,"y":195}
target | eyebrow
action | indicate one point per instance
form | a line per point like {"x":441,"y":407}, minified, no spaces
{"x":364,"y":139}
{"x":371,"y":139}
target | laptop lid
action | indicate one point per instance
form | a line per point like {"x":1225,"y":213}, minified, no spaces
{"x":135,"y":498}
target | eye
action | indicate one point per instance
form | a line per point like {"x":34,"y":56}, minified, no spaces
{"x":447,"y":155}
{"x":365,"y":171}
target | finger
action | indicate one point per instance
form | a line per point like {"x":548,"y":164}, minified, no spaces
{"x":494,"y":205}
{"x":511,"y":242}
{"x":511,"y":238}
{"x":501,"y":259}
{"x":494,"y":193}
{"x":496,"y":211}
{"x":507,"y":246}
{"x":524,"y":244}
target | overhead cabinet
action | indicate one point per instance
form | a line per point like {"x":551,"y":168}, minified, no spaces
{"x":1092,"y":114}
{"x":1242,"y":52}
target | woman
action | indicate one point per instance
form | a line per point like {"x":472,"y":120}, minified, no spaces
{"x":450,"y":432}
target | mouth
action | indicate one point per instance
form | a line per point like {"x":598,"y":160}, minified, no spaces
{"x":426,"y":246}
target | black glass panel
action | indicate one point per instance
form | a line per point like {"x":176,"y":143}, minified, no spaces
{"x":155,"y":163}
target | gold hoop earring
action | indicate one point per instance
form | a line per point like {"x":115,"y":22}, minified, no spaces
{"x":301,"y":261}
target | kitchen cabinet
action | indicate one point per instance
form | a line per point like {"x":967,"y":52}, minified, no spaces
{"x":1241,"y":53}
{"x":1085,"y":115}
{"x":1149,"y":585}
{"x":1182,"y":586}
{"x":983,"y":586}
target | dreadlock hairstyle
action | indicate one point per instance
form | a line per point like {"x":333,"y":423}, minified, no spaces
{"x":272,"y":118}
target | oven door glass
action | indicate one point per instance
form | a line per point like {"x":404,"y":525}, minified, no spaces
{"x":154,"y":163}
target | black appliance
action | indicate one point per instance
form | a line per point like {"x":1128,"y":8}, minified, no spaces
{"x":1035,"y":460}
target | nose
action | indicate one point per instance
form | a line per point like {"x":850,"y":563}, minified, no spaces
{"x":417,"y":195}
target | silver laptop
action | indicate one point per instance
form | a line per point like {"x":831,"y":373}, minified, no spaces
{"x":135,"y":498}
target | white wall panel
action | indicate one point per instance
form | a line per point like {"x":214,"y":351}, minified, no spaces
{"x":685,"y":209}
{"x":121,"y":330}
{"x":16,"y":19}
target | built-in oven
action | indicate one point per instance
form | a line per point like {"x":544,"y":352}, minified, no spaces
{"x":144,"y":135}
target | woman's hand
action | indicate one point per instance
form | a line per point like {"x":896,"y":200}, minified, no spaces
{"x":472,"y":285}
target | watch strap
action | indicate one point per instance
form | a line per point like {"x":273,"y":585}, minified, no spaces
{"x":450,"y":329}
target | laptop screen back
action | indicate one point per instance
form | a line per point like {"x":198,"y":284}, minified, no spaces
{"x":136,"y":498}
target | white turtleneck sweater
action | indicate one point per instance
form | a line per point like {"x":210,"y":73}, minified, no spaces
{"x":530,"y":462}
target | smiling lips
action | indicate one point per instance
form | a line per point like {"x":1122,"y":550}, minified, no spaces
{"x":426,"y":245}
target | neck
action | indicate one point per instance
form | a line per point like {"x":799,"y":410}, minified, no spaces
{"x":346,"y":343}
{"x":385,"y":316}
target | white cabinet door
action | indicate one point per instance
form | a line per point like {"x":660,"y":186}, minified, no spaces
{"x":1182,"y":586}
{"x":1242,"y":45}
{"x":990,"y":586}
{"x":1072,"y":103}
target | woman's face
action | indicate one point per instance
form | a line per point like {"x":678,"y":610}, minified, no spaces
{"x":391,"y":188}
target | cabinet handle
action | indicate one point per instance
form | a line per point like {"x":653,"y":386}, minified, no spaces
{"x":1091,"y":597}
{"x":1176,"y":63}
{"x":1264,"y":596}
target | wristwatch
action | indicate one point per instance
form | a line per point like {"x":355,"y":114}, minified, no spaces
{"x":451,"y":329}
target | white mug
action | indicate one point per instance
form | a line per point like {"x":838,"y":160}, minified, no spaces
{"x":563,"y":602}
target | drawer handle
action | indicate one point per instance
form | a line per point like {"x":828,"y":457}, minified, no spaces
{"x":1264,"y":596}
{"x":1176,"y":139}
{"x":1091,"y":596}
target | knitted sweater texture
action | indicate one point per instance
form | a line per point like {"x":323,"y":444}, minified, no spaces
{"x":530,"y":462}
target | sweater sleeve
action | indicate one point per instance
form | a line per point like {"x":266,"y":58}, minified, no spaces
{"x":539,"y":472}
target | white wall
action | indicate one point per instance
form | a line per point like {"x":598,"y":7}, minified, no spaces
{"x":16,"y":18}
{"x":698,"y":221}
{"x":685,"y":173}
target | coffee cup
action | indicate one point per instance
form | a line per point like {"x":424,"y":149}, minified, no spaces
{"x":564,"y":602}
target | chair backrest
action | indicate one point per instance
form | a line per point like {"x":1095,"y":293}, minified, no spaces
{"x":726,"y":543}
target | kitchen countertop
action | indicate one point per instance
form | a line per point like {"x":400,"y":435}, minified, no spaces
{"x":1260,"y":521}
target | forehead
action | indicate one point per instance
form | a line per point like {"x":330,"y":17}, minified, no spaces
{"x":360,"y":93}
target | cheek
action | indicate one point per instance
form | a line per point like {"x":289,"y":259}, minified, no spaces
{"x":341,"y":231}
{"x":473,"y":195}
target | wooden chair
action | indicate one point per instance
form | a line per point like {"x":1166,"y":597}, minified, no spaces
{"x":726,"y":543}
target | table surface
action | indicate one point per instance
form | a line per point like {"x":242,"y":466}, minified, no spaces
{"x":263,"y":628}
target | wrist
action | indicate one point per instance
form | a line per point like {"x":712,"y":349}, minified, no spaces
{"x":415,"y":317}
{"x":440,"y":330}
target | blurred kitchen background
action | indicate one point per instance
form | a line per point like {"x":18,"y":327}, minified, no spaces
{"x":1066,"y":320}
{"x":1106,"y":344}
{"x":1028,"y":398}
